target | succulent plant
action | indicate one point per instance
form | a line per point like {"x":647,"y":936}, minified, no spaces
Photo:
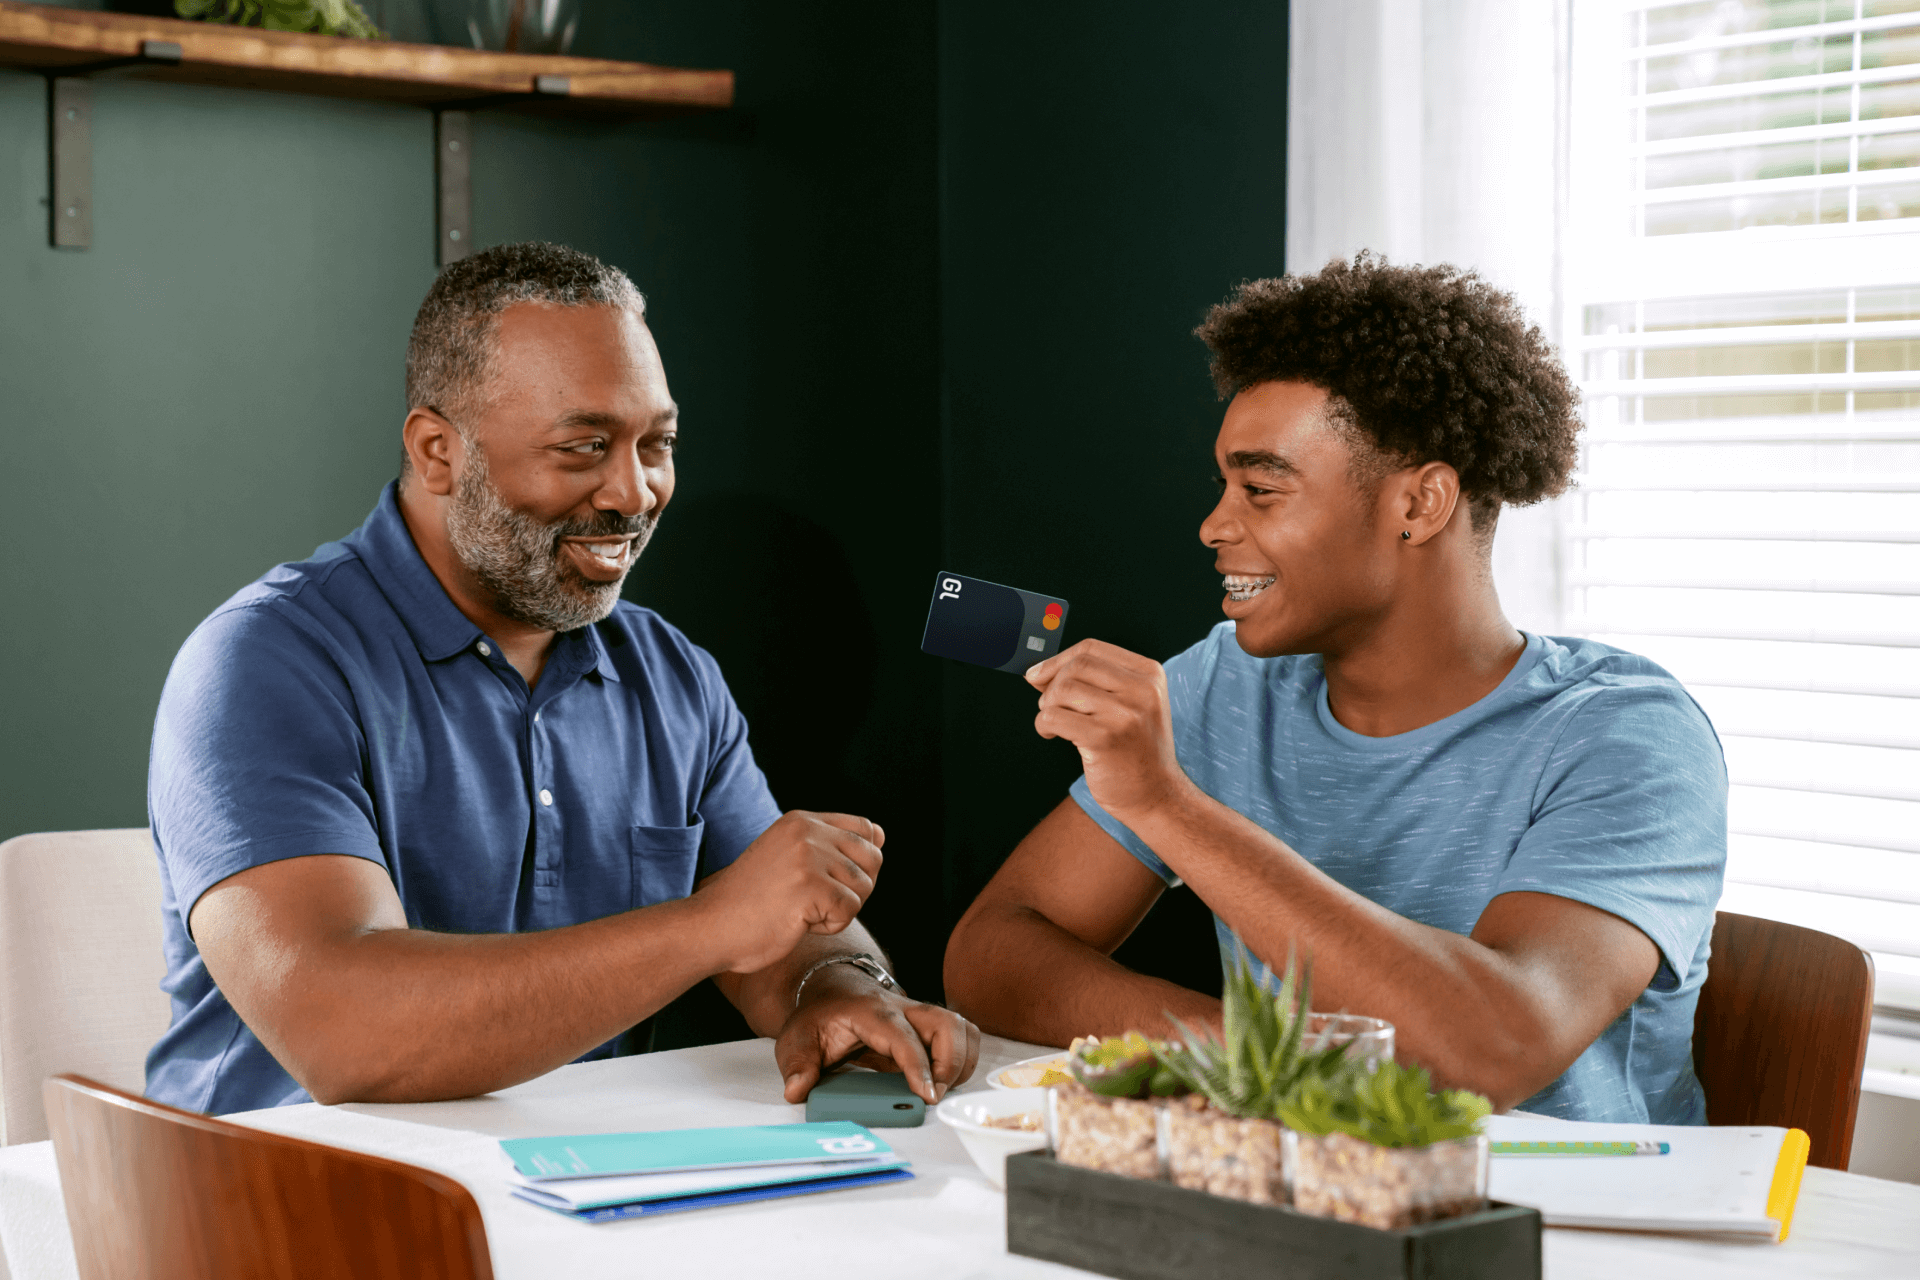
{"x":1391,"y":1106}
{"x":1126,"y":1066}
{"x":1261,"y":1058}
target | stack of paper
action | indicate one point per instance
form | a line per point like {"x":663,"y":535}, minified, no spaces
{"x":600,"y":1177}
{"x":1736,"y":1181}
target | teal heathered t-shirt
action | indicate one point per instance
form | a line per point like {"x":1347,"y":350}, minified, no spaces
{"x":1589,"y":773}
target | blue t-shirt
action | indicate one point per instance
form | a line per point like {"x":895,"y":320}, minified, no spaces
{"x":344,"y":705}
{"x":1589,"y":773}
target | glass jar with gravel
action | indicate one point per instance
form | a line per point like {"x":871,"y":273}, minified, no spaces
{"x":1225,"y":1155}
{"x":1106,"y":1118}
{"x":1223,"y":1138}
{"x":1382,"y":1149}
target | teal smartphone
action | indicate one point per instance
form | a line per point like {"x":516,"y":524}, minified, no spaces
{"x":877,"y":1099}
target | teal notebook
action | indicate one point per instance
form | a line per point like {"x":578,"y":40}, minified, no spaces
{"x":603,"y":1155}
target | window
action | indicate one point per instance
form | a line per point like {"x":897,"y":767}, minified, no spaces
{"x":1742,"y":287}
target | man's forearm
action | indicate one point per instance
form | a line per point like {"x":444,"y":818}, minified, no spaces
{"x":766,"y":998}
{"x":1028,"y":979}
{"x":1458,"y":1006}
{"x":405,"y":1015}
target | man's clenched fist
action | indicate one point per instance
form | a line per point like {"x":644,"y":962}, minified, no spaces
{"x":807,"y":873}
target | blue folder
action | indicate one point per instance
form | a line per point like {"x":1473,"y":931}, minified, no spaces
{"x":713,"y":1199}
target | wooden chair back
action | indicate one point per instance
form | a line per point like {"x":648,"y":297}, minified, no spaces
{"x":1780,"y":1035}
{"x":153,"y":1192}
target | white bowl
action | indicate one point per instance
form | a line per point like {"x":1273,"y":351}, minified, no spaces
{"x":1058,"y":1058}
{"x":990,"y":1147}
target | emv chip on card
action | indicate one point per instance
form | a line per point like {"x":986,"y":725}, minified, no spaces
{"x":990,"y":625}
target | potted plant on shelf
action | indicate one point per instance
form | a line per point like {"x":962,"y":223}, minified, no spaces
{"x":321,"y":17}
{"x":1381,"y":1148}
{"x":1223,"y":1136}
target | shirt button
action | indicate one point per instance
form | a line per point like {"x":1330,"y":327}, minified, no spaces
{"x":486,"y":650}
{"x":546,"y":796}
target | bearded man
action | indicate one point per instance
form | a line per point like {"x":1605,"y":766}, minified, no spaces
{"x":438,"y":812}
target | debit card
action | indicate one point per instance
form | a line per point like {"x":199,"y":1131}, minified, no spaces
{"x":990,"y":625}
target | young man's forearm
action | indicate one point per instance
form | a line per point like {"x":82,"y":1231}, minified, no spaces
{"x":1028,"y":979}
{"x":407,"y":1015}
{"x":1458,"y":1007}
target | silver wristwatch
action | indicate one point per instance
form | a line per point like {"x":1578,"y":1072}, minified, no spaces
{"x":859,"y":960}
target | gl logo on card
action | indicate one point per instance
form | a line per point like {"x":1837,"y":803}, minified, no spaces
{"x":851,"y":1145}
{"x":949,"y":589}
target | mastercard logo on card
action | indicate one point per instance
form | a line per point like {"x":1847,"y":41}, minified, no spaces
{"x":972,"y":620}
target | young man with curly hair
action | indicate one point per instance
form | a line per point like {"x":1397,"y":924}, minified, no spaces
{"x":1508,"y":845}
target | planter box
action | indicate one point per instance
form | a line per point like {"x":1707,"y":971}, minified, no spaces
{"x":1141,"y":1230}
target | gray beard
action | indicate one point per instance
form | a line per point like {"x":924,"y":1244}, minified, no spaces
{"x":519,"y":561}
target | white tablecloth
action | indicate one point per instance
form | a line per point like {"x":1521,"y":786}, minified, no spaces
{"x":946,"y":1223}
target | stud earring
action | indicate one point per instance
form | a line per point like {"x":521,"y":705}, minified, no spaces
{"x":1406,"y":534}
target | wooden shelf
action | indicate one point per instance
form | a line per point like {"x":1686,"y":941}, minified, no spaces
{"x":47,"y":39}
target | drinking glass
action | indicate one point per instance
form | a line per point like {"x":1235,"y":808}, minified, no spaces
{"x":507,"y":26}
{"x":1368,"y":1040}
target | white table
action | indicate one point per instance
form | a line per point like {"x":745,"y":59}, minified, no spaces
{"x":946,"y":1223}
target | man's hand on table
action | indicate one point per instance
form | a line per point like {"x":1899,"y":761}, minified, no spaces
{"x":804,"y":880}
{"x":842,"y":1008}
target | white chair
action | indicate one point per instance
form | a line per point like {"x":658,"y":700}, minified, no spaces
{"x":80,"y":966}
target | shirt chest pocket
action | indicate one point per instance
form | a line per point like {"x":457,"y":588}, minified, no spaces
{"x":664,"y":862}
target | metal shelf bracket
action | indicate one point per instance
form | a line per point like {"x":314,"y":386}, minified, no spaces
{"x":453,"y":166}
{"x":70,"y":141}
{"x":453,"y":182}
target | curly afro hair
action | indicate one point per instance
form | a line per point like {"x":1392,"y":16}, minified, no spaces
{"x":1429,"y":364}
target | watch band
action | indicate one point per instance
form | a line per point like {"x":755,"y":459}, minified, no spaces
{"x":859,"y":960}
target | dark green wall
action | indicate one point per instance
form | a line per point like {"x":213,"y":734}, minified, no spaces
{"x":791,"y":264}
{"x":212,"y":388}
{"x":1107,"y":172}
{"x":924,"y":297}
{"x":215,"y":386}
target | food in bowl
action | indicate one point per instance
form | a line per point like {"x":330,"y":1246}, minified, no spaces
{"x":1025,"y":1122}
{"x":975,"y":1119}
{"x":1042,"y":1072}
{"x":1030,"y":1075}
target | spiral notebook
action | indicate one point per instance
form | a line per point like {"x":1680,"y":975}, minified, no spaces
{"x":1727,"y":1181}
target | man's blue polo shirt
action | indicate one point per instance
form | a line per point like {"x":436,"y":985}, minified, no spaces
{"x":344,"y":705}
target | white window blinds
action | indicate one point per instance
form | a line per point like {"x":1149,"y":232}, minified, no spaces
{"x":1742,"y":280}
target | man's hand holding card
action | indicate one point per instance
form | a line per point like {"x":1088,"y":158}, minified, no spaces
{"x":1109,"y":703}
{"x":1112,"y":705}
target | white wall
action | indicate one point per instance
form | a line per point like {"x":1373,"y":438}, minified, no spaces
{"x":1886,"y":1137}
{"x":1430,"y":131}
{"x":1426,"y":130}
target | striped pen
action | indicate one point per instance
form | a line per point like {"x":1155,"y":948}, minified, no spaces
{"x":1578,"y":1148}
